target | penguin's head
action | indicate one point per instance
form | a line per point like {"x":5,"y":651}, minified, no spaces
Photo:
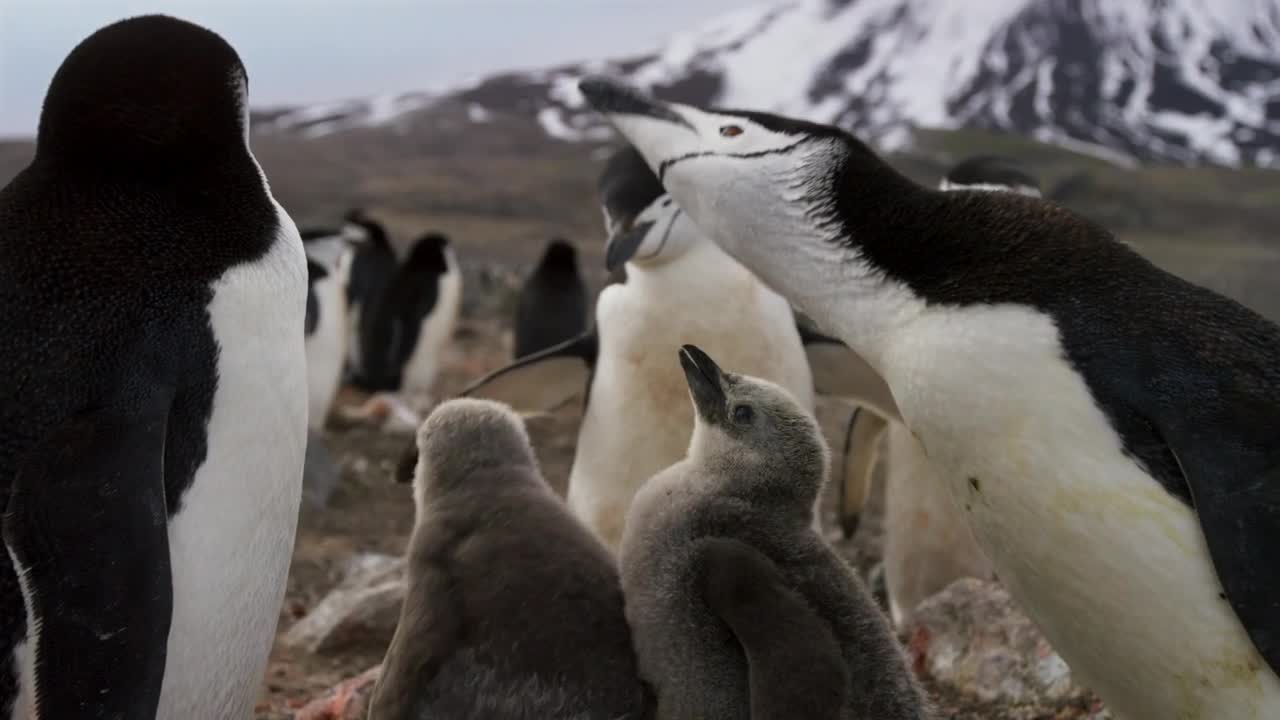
{"x":359,"y":228}
{"x":644,"y":223}
{"x":755,"y":426}
{"x":560,"y":257}
{"x":429,"y":254}
{"x":754,"y":182}
{"x":462,"y":437}
{"x":149,"y":92}
{"x":990,"y":172}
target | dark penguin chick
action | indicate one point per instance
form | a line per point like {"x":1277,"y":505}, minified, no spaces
{"x":514,"y":609}
{"x":1108,"y":428}
{"x":153,"y":411}
{"x":756,"y":464}
{"x":373,"y":266}
{"x":552,"y":306}
{"x":413,"y":320}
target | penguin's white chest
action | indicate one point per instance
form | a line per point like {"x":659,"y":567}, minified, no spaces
{"x":326,"y":349}
{"x":231,"y":541}
{"x":1112,"y":568}
{"x":639,"y":418}
{"x":437,"y":328}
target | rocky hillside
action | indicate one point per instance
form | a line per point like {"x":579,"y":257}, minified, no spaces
{"x":1182,"y":81}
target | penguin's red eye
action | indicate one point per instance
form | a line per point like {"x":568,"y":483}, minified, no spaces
{"x":730,"y":131}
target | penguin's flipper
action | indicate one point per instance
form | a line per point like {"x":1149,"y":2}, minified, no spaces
{"x":858,"y":463}
{"x":544,"y":380}
{"x":86,"y":526}
{"x":795,"y":666}
{"x":1239,"y":512}
{"x":838,"y":371}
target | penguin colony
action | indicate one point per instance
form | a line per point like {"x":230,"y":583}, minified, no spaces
{"x":1114,"y":465}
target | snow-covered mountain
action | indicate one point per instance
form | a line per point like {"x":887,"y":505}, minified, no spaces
{"x":1183,"y":81}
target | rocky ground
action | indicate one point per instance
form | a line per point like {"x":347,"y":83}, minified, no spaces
{"x":979,"y":657}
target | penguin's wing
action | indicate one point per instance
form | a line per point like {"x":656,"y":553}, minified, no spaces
{"x":544,"y":380}
{"x":858,"y":463}
{"x":1239,"y":511}
{"x":795,"y":666}
{"x":87,"y":528}
{"x":431,"y":628}
{"x":840,"y":372}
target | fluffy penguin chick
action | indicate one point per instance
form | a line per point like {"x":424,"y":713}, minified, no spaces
{"x":755,"y":467}
{"x":514,"y":609}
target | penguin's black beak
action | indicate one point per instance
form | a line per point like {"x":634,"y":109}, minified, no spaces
{"x":706,"y":384}
{"x":622,"y":246}
{"x":610,"y":97}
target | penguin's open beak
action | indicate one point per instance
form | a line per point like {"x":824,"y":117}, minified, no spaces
{"x":610,"y":97}
{"x":657,"y":129}
{"x":706,"y":383}
{"x":622,"y":245}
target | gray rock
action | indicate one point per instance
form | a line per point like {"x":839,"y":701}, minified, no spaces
{"x":972,"y":640}
{"x":361,"y":611}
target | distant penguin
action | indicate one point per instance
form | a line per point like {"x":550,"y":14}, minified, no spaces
{"x":755,"y":466}
{"x":406,"y":333}
{"x":154,"y":416}
{"x":373,"y":266}
{"x":679,"y":288}
{"x":513,"y":611}
{"x":1108,"y":428}
{"x":328,"y":272}
{"x":552,"y":307}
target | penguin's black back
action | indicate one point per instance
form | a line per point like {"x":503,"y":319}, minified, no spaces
{"x":141,"y":193}
{"x":552,"y":307}
{"x":991,"y":170}
{"x":389,"y":336}
{"x":372,"y":265}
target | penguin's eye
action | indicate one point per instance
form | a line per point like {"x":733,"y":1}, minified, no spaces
{"x":666,"y":203}
{"x":743,"y":414}
{"x":730,"y":131}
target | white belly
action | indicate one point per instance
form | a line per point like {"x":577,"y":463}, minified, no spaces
{"x":231,"y":542}
{"x":326,"y":349}
{"x":928,"y":544}
{"x":433,"y":339}
{"x":639,"y":419}
{"x":1112,"y":568}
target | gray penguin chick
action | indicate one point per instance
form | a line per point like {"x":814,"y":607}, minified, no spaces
{"x":513,"y":610}
{"x":742,"y":502}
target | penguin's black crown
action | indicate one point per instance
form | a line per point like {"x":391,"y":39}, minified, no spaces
{"x":627,"y":185}
{"x":146,"y":90}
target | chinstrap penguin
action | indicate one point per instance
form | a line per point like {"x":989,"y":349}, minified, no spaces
{"x":514,"y":610}
{"x":1108,"y":428}
{"x":552,"y":307}
{"x":328,"y":272}
{"x":405,"y":333}
{"x":680,"y":288}
{"x":155,"y":413}
{"x":373,"y":266}
{"x":755,"y":466}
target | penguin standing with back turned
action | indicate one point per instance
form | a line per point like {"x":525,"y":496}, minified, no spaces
{"x":373,"y":265}
{"x":552,"y":307}
{"x":406,"y":332}
{"x":154,"y":413}
{"x":1108,"y":428}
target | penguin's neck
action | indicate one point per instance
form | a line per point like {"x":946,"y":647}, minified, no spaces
{"x":701,"y":265}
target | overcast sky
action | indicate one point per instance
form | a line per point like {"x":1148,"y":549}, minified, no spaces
{"x":301,"y":51}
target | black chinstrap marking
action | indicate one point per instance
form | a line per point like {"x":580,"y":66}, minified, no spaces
{"x":668,"y":164}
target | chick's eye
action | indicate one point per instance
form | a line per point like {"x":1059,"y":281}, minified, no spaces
{"x":666,"y":203}
{"x":730,"y":131}
{"x":743,"y":414}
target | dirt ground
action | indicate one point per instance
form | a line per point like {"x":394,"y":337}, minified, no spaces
{"x":369,"y":513}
